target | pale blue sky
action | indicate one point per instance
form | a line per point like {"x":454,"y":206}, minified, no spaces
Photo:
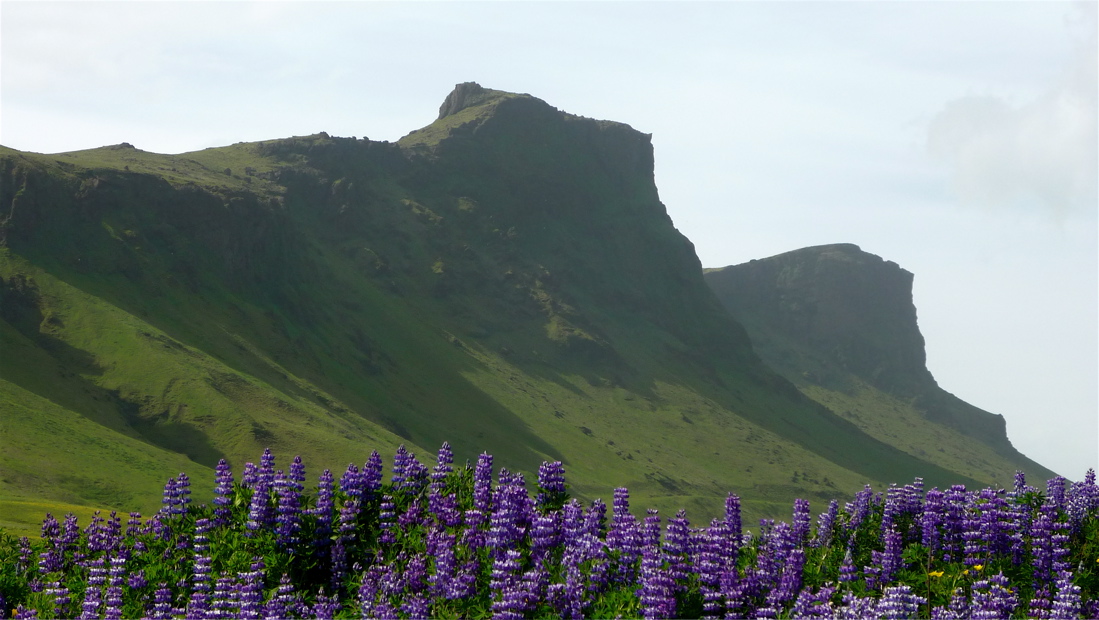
{"x":957,"y":139}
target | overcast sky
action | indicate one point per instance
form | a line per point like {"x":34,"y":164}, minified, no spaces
{"x":957,"y":139}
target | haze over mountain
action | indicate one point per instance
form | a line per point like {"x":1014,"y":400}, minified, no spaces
{"x":505,"y":279}
{"x":840,"y":324}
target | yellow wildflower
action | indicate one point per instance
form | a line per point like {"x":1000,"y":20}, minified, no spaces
{"x":935,"y":573}
{"x":978,"y":567}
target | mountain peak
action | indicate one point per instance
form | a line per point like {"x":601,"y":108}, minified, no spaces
{"x":464,"y":95}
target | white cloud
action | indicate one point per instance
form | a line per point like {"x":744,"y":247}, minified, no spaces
{"x":1044,"y":150}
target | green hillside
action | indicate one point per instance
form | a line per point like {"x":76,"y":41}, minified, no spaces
{"x":505,"y":279}
{"x":840,"y":324}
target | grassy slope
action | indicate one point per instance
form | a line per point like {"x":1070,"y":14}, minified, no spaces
{"x":398,"y":311}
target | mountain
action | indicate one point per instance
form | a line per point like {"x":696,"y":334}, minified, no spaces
{"x":840,"y":324}
{"x":505,"y":279}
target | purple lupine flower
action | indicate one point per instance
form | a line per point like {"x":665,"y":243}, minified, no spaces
{"x":51,"y":529}
{"x":351,"y":482}
{"x":790,"y":583}
{"x":676,"y":550}
{"x":826,"y":525}
{"x":265,"y":475}
{"x":224,"y":601}
{"x":931,"y":520}
{"x":70,"y":535}
{"x":200,"y":592}
{"x":171,"y":497}
{"x":372,"y":476}
{"x":898,"y":602}
{"x":97,"y":578}
{"x":1020,"y":486}
{"x":551,"y":484}
{"x":814,"y":603}
{"x":913,"y":497}
{"x":285,"y":603}
{"x":564,"y":601}
{"x":860,"y":509}
{"x":137,"y":580}
{"x":732,"y":522}
{"x":595,"y":518}
{"x":993,"y":599}
{"x":957,"y":609}
{"x":22,"y":613}
{"x":709,"y":564}
{"x":296,"y":478}
{"x":856,"y":608}
{"x":443,"y":466}
{"x":1082,"y":500}
{"x":1040,"y":605}
{"x":52,"y":558}
{"x":400,"y":465}
{"x":545,"y":534}
{"x":369,"y":589}
{"x":508,"y":598}
{"x":183,"y":493}
{"x":61,"y":599}
{"x":250,"y":476}
{"x":259,"y":512}
{"x":288,"y":520}
{"x":162,"y":603}
{"x":848,"y":572}
{"x":894,"y":505}
{"x":482,"y":484}
{"x":387,"y":516}
{"x":624,"y":537}
{"x":1066,"y":603}
{"x":410,"y":518}
{"x":440,"y":546}
{"x":325,"y":607}
{"x":776,"y":544}
{"x":324,"y":510}
{"x":650,"y":528}
{"x":133,"y":525}
{"x":223,"y":491}
{"x":415,"y":477}
{"x":96,"y":534}
{"x":572,"y":522}
{"x":115,"y":578}
{"x":415,"y":574}
{"x":510,"y":514}
{"x":23,"y":563}
{"x":657,"y":591}
{"x":801,"y":522}
{"x":250,"y":595}
{"x":1055,"y":491}
{"x":445,"y":508}
{"x":416,"y":606}
{"x":890,"y":559}
{"x":991,"y":523}
{"x":1059,"y":547}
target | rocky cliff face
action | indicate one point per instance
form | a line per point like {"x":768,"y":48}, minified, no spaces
{"x":851,"y":308}
{"x":835,"y":318}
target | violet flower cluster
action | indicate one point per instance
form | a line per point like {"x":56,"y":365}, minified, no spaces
{"x":473,"y":541}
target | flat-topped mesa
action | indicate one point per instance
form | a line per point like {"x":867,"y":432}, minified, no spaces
{"x":850,"y":307}
{"x":826,"y":315}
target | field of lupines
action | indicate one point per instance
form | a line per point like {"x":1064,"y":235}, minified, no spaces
{"x":450,"y":542}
